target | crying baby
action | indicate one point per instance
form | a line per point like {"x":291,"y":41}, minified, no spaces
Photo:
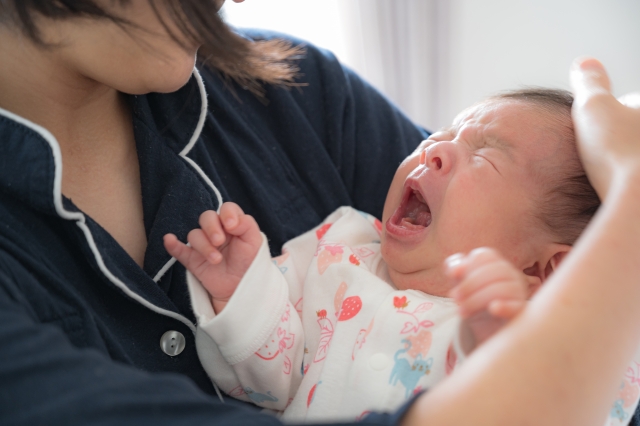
{"x":357,"y":314}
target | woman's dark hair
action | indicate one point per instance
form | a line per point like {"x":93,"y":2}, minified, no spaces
{"x":246,"y":61}
{"x":570,"y":202}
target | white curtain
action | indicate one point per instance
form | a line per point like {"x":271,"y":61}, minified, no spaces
{"x":400,"y":47}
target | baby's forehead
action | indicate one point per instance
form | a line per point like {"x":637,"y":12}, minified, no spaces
{"x":514,"y":124}
{"x":500,"y":111}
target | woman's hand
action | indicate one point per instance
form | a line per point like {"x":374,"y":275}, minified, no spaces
{"x":606,"y":129}
{"x":221,"y":251}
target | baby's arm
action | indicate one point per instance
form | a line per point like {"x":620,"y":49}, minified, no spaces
{"x":490,"y":292}
{"x":259,"y":333}
{"x":220,"y":251}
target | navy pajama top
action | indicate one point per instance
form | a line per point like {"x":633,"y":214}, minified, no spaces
{"x":81,"y":323}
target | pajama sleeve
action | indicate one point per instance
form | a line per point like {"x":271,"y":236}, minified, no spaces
{"x":253,"y":349}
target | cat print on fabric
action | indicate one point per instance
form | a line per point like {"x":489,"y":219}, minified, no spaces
{"x":409,"y":374}
{"x":259,"y":397}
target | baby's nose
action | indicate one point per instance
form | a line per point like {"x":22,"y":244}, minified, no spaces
{"x":437,"y":157}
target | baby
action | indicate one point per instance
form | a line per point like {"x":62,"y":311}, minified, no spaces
{"x":358,"y":315}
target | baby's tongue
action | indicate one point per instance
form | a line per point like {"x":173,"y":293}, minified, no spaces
{"x":417,"y":214}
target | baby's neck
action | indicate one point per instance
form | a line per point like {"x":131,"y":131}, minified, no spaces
{"x":435,"y":284}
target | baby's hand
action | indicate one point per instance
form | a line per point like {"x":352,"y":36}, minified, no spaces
{"x":221,"y":250}
{"x":490,"y":291}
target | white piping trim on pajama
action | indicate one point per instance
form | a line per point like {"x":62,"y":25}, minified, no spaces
{"x":185,"y":151}
{"x":81,"y":220}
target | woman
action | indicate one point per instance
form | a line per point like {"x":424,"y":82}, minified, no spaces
{"x":94,"y":314}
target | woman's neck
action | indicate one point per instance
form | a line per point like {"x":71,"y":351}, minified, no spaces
{"x":42,"y":86}
{"x":93,"y":126}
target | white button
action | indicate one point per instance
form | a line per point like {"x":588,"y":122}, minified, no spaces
{"x":379,"y":361}
{"x":172,"y":343}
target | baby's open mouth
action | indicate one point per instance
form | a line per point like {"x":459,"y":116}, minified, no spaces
{"x":414,"y":212}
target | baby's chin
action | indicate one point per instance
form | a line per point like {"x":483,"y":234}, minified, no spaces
{"x":427,"y":281}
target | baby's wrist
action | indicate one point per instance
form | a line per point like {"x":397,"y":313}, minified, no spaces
{"x":218,"y":304}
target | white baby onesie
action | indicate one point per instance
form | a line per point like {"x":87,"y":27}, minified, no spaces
{"x":321,"y":333}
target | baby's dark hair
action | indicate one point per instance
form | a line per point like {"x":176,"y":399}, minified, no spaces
{"x":570,"y":201}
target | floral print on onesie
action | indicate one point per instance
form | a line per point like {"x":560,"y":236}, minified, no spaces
{"x":321,"y":333}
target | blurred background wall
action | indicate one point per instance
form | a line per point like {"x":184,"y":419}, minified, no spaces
{"x":435,"y":57}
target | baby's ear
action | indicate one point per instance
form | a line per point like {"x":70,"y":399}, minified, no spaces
{"x":542,"y":269}
{"x":558,"y":253}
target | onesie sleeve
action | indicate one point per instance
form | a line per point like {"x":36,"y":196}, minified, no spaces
{"x":254,"y":348}
{"x":626,"y":402}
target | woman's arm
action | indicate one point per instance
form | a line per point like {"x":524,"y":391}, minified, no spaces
{"x":560,"y":362}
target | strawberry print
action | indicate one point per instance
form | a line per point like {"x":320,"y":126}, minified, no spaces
{"x":237,"y":392}
{"x":378,"y":225}
{"x":330,"y":254}
{"x":326,"y":334}
{"x":322,"y":230}
{"x":350,"y":308}
{"x":354,"y":259}
{"x":269,"y":350}
{"x":322,"y":313}
{"x":339,"y":297}
{"x":286,"y":367}
{"x":361,"y":339}
{"x":400,"y":302}
{"x":363,"y":252}
{"x":310,"y":397}
{"x":273,"y":348}
{"x":628,"y":394}
{"x":420,"y":344}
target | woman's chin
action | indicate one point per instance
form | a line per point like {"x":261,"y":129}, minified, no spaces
{"x":166,"y":78}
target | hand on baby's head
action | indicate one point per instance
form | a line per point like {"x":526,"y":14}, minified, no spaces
{"x":220,"y":251}
{"x":505,"y":175}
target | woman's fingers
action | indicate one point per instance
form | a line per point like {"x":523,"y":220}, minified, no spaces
{"x":607,"y":131}
{"x":588,"y":78}
{"x":631,"y":100}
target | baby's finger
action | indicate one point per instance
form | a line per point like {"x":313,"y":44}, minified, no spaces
{"x":200,"y":243}
{"x":454,"y":266}
{"x":506,"y":309}
{"x":173,"y":246}
{"x":247,"y":230}
{"x":182,"y":252}
{"x":482,"y":276}
{"x":210,"y":224}
{"x":230,"y":214}
{"x":458,"y":265}
{"x":481,"y":256}
{"x":480,"y":300}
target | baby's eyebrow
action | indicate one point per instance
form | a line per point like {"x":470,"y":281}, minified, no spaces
{"x":492,"y":141}
{"x":452,"y":129}
{"x":500,"y":144}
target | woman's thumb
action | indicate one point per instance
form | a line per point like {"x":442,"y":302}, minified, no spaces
{"x":588,"y":78}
